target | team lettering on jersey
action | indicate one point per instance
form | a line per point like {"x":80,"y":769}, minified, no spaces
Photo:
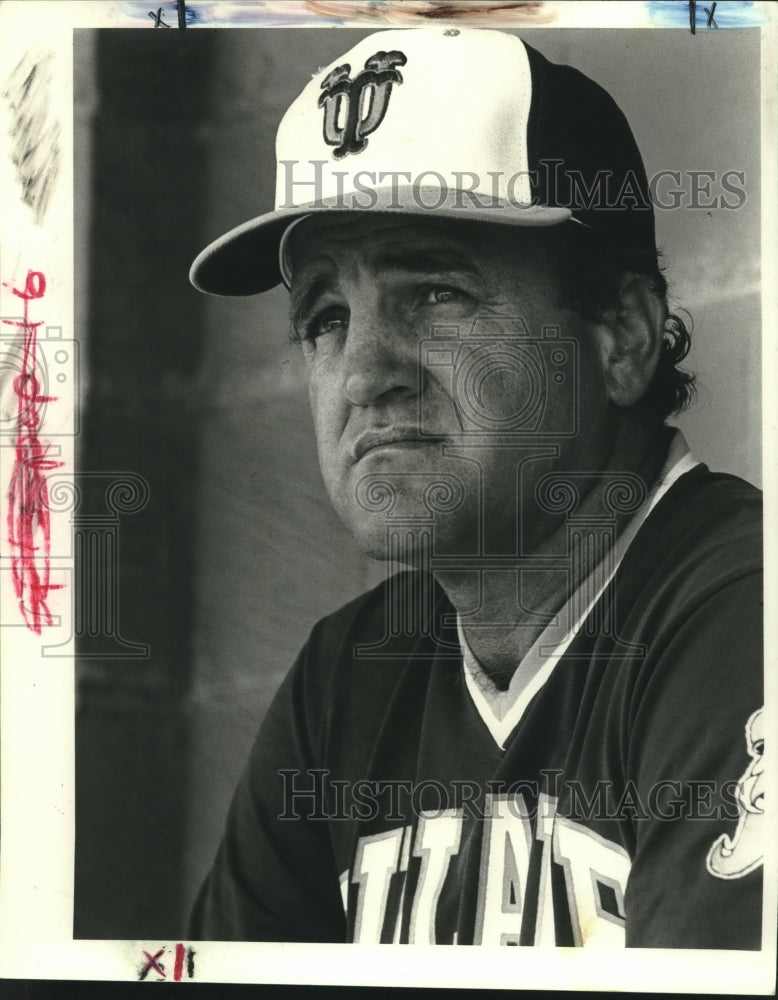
{"x":595,"y":869}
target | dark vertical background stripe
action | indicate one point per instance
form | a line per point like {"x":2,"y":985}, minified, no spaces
{"x":144,"y":349}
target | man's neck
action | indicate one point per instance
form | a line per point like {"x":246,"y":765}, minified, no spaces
{"x":517,"y":605}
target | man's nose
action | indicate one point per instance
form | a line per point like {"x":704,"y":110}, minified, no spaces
{"x":380,"y":359}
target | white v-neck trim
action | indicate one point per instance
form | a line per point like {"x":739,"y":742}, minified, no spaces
{"x":501,"y":711}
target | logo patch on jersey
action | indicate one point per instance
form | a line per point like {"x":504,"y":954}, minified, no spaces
{"x":736,"y":856}
{"x":353,"y":109}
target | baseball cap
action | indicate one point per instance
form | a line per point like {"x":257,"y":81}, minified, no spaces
{"x":460,"y":123}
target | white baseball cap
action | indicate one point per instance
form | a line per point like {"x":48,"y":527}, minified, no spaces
{"x":460,"y":123}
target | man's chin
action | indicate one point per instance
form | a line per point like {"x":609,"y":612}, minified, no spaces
{"x":414,"y":542}
{"x":400,"y":544}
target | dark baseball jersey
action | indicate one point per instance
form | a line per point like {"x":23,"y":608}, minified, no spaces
{"x":624,"y":806}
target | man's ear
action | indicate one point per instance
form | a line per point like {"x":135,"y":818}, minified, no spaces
{"x":629,"y":339}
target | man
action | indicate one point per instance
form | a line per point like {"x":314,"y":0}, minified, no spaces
{"x":534,"y":733}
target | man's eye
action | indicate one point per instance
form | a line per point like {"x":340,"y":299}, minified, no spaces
{"x":329,"y":321}
{"x":441,"y":294}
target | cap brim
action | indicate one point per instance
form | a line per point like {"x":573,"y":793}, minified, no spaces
{"x":244,"y":261}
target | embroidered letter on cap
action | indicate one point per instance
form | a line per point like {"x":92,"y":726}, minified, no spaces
{"x":359,"y":104}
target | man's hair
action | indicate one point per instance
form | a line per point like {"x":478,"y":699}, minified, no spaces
{"x":592,"y":271}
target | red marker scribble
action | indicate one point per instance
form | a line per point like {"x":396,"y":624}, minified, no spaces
{"x":179,"y":966}
{"x":29,"y":529}
{"x":154,"y":963}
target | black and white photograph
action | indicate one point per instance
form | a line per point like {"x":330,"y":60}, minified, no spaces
{"x":383,"y":470}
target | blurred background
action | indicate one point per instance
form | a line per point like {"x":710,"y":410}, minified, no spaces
{"x":237,"y":553}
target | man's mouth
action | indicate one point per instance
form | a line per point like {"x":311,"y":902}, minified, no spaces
{"x":391,"y":437}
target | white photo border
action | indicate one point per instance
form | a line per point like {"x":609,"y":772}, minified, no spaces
{"x":37,"y":698}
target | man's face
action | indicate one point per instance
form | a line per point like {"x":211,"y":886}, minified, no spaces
{"x":424,"y":341}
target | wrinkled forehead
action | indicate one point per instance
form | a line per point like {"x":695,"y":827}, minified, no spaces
{"x":386,"y":242}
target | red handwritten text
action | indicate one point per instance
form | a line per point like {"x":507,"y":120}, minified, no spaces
{"x":153,"y":963}
{"x":29,"y":529}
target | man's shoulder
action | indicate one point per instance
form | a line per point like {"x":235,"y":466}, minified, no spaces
{"x":358,"y":656}
{"x":718,"y":489}
{"x":704,"y":535}
{"x":708,"y":511}
{"x":390,"y":623}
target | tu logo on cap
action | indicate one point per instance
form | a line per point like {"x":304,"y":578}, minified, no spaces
{"x":359,"y":104}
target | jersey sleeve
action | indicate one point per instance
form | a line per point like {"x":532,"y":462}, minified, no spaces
{"x":697,"y":750}
{"x":275,"y":879}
